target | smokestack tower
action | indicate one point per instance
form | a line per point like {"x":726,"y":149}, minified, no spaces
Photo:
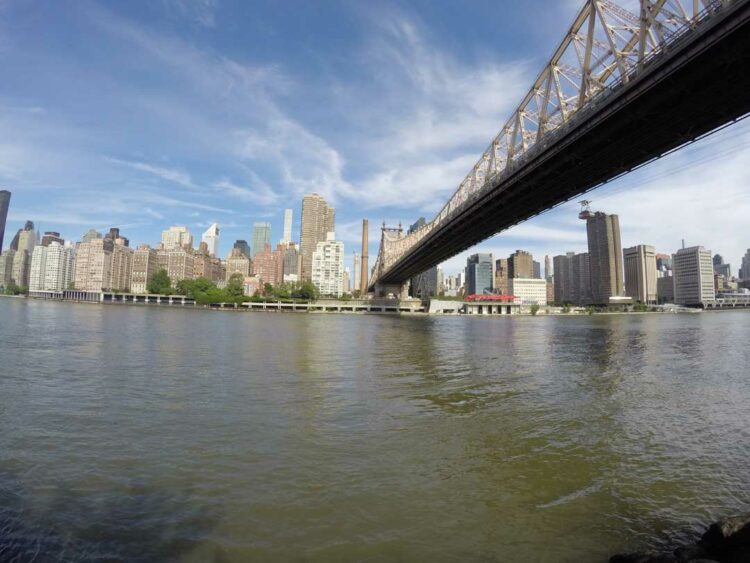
{"x":364,"y":276}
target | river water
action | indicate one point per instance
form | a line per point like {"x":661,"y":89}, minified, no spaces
{"x":144,"y":434}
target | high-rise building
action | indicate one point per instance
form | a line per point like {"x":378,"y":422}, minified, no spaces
{"x":520,"y":265}
{"x":745,"y":268}
{"x":640,"y":273}
{"x":211,"y":238}
{"x":6,"y":267}
{"x":501,"y":276}
{"x":318,"y":219}
{"x":237,"y":263}
{"x":50,"y":237}
{"x":93,"y":266}
{"x":261,"y":238}
{"x":52,"y":267}
{"x":176,"y":237}
{"x":479,"y":274}
{"x":663,"y":262}
{"x":287,"y":238}
{"x":548,"y":272}
{"x":115,"y":237}
{"x":145,"y":265}
{"x":181,"y":264}
{"x":357,"y":272}
{"x":327,"y":270}
{"x":572,"y":280}
{"x":693,"y":276}
{"x":605,"y":257}
{"x":364,"y":272}
{"x":290,"y":267}
{"x":206,"y":265}
{"x":345,"y":283}
{"x":243,"y":247}
{"x":4,"y":205}
{"x":537,"y":270}
{"x":122,"y":265}
{"x":265,"y":265}
{"x":665,"y":289}
{"x":23,"y":244}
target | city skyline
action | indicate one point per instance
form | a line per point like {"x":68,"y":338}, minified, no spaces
{"x":149,"y":183}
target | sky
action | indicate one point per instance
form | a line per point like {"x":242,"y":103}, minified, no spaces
{"x":143,"y":115}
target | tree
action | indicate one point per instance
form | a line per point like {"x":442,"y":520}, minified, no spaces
{"x":306,"y":290}
{"x":534,"y":308}
{"x":236,"y":289}
{"x":268,"y":290}
{"x":160,"y":284}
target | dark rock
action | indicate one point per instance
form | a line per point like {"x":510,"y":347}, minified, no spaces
{"x":642,"y":558}
{"x":727,"y":534}
{"x":689,"y":553}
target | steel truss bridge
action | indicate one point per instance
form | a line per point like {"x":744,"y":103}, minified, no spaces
{"x":631,"y":81}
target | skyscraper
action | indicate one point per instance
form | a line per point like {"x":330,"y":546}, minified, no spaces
{"x":640,"y":273}
{"x":605,"y":256}
{"x":243,"y":247}
{"x":287,"y":227}
{"x":537,"y":267}
{"x":745,"y":268}
{"x":328,"y":267}
{"x":501,"y":276}
{"x":572,"y":279}
{"x":4,"y":205}
{"x":548,"y":272}
{"x":520,"y":265}
{"x":211,"y":238}
{"x":52,"y":267}
{"x":693,"y":276}
{"x":176,"y":237}
{"x":479,"y":274}
{"x":261,"y":237}
{"x":357,"y":272}
{"x":318,"y":219}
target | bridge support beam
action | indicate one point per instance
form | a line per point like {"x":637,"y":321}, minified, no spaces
{"x":399,"y":291}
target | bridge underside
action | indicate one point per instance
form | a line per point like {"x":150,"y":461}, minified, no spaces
{"x":697,"y":88}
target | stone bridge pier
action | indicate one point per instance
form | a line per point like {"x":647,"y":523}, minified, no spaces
{"x":399,"y":291}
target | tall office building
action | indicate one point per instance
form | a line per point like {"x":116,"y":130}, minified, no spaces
{"x":357,"y":272}
{"x":287,"y":238}
{"x":501,"y":276}
{"x":537,"y":270}
{"x":52,"y":267}
{"x":318,"y":219}
{"x":479,"y":274}
{"x":4,"y":205}
{"x":572,"y":279}
{"x":520,"y":265}
{"x":745,"y":268}
{"x":290,"y":268}
{"x":243,"y":247}
{"x":261,"y":238}
{"x":327,"y":267}
{"x":176,"y":237}
{"x":548,"y":271}
{"x":238,"y":263}
{"x":211,"y":238}
{"x":23,"y":244}
{"x":693,"y":276}
{"x":605,"y":256}
{"x":721,"y":268}
{"x":640,"y":273}
{"x":50,"y":237}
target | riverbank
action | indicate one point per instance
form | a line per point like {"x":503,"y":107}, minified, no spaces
{"x":725,"y":541}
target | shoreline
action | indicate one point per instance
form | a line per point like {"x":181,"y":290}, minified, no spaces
{"x":352,"y":307}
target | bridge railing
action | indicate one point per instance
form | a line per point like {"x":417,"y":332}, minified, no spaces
{"x":606,"y":47}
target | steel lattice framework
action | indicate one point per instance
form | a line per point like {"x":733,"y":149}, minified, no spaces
{"x":608,"y":45}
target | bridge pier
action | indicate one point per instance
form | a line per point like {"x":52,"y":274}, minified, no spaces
{"x":399,"y":291}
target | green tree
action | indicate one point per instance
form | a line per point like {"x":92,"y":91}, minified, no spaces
{"x":160,"y":284}
{"x":306,"y":290}
{"x":235,"y":289}
{"x":534,"y":309}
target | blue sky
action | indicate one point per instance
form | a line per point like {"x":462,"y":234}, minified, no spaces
{"x":144,"y":115}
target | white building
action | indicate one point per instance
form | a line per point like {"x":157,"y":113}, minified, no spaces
{"x":640,"y":273}
{"x":328,"y":267}
{"x":52,"y":267}
{"x":211,"y":238}
{"x":529,"y":291}
{"x":693,"y":273}
{"x":176,"y":237}
{"x":287,"y":227}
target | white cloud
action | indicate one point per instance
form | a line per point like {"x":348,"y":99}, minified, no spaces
{"x":170,"y":174}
